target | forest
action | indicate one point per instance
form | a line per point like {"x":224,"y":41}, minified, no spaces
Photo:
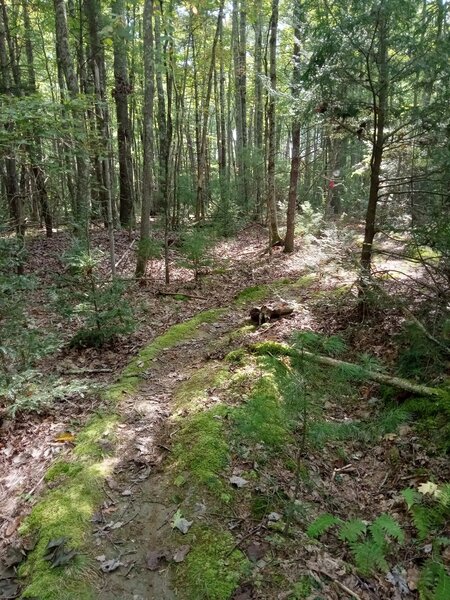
{"x":225,"y":299}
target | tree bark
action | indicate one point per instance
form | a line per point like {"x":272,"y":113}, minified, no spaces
{"x":65,"y":61}
{"x":121,"y":92}
{"x":271,"y":196}
{"x":295,"y":157}
{"x":380,"y":96}
{"x":147,"y":187}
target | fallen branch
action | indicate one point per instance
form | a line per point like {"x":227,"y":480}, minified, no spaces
{"x":403,"y":384}
{"x":126,"y":253}
{"x":85,"y":371}
{"x":159,"y":293}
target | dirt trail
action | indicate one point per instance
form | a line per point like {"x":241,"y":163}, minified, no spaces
{"x":137,"y":493}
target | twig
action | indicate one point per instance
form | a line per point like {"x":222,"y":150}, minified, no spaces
{"x":341,"y":470}
{"x":245,"y":537}
{"x":339,"y":584}
{"x":125,"y":254}
{"x":31,"y":492}
{"x":85,"y":371}
{"x":159,"y":293}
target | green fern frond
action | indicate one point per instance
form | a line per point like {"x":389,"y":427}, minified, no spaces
{"x":352,"y":530}
{"x":411,"y":497}
{"x":444,"y":496}
{"x":385,"y":525}
{"x":307,"y":340}
{"x":434,"y":582}
{"x":369,"y":557}
{"x":371,"y":363}
{"x":426,"y":519}
{"x":322,"y":524}
{"x":442,"y":590}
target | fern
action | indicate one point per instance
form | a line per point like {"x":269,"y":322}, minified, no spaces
{"x":322,"y":524}
{"x":426,"y":519}
{"x":369,"y":557}
{"x":434,"y":582}
{"x":411,"y":497}
{"x":444,"y":496}
{"x":352,"y":530}
{"x":385,"y":525}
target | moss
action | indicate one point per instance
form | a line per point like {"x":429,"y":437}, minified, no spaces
{"x":191,"y":394}
{"x":305,"y":281}
{"x":125,"y":386}
{"x":201,"y":449}
{"x":272,"y":348}
{"x":262,"y":418}
{"x":171,"y":338}
{"x":236,"y":356}
{"x":425,"y":253}
{"x":66,"y":510}
{"x":99,"y":428}
{"x":63,"y":512}
{"x":242,"y":332}
{"x":252,"y":294}
{"x":61,"y":469}
{"x":213,"y":568}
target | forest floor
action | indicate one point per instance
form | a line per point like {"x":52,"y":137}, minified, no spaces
{"x":169,"y":470}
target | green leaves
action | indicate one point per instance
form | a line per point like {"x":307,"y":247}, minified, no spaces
{"x":322,"y":524}
{"x":352,"y":530}
{"x":368,"y":544}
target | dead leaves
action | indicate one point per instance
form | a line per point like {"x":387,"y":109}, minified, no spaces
{"x":57,"y":553}
{"x":180,"y":523}
{"x":157,"y":559}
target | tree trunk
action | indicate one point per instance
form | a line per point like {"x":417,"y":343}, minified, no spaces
{"x":65,"y":61}
{"x":121,"y":92}
{"x":295,"y":157}
{"x":202,"y":163}
{"x":35,"y":146}
{"x":380,"y":106}
{"x":271,"y":196}
{"x":147,"y":184}
{"x":258,"y":147}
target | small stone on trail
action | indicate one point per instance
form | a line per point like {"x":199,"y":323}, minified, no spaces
{"x":238,"y":482}
{"x":181,"y":553}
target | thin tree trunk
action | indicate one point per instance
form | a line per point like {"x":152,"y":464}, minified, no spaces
{"x":202,"y":163}
{"x":380,"y":105}
{"x":122,"y":89}
{"x":271,"y":197}
{"x":295,"y":158}
{"x":147,"y":187}
{"x":82,"y":200}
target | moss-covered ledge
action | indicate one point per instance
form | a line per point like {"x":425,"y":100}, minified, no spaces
{"x":66,"y":509}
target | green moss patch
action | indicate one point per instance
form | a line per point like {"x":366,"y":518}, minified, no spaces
{"x":131,"y":375}
{"x":66,"y":510}
{"x":262,"y":418}
{"x":213,"y":568}
{"x":254,"y":293}
{"x":192,"y":394}
{"x":201,"y":449}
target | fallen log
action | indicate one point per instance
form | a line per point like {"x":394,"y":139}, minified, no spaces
{"x":268,"y":312}
{"x":398,"y":382}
